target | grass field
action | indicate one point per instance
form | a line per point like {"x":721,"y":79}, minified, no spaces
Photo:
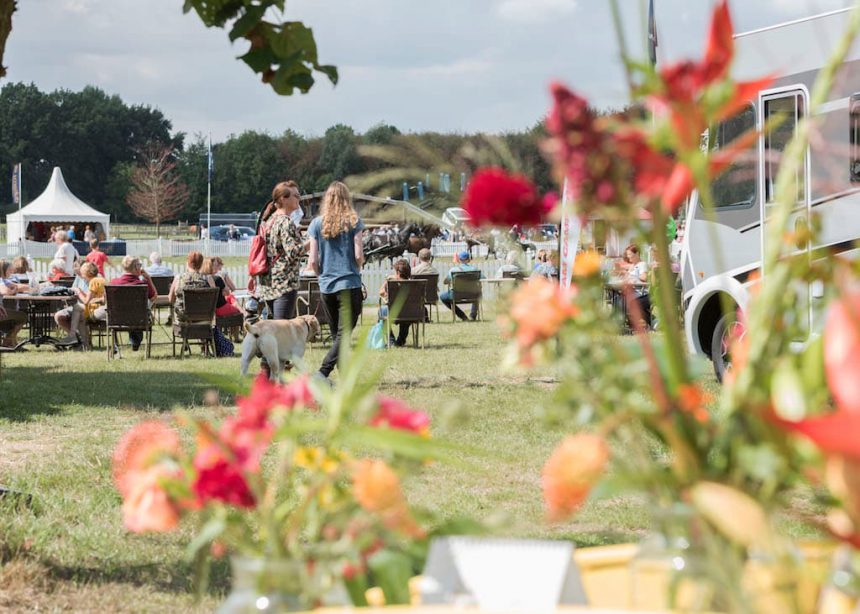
{"x":62,"y":413}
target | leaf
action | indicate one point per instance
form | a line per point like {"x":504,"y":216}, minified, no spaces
{"x":357,"y":587}
{"x":260,"y":60}
{"x":210,"y":531}
{"x":786,"y":392}
{"x":247,"y":22}
{"x":733,"y":513}
{"x":403,"y":443}
{"x":391,"y":571}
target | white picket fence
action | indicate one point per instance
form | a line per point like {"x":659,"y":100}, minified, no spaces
{"x":372,"y":275}
{"x":171,"y":248}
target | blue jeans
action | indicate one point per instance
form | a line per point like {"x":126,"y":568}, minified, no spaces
{"x":402,"y":333}
{"x":283,"y":307}
{"x":446,"y":298}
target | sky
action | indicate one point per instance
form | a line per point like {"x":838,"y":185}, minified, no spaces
{"x":445,"y":65}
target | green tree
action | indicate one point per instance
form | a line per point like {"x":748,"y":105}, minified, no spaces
{"x":247,"y":167}
{"x":339,"y":156}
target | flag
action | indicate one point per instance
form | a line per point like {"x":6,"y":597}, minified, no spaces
{"x":211,"y":165}
{"x":16,"y":184}
{"x":652,"y":34}
{"x":568,"y":238}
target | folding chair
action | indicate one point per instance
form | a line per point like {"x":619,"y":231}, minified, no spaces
{"x":466,"y":288}
{"x":197,"y":321}
{"x":431,"y":291}
{"x":408,"y":296}
{"x":127,"y":311}
{"x":162,"y":285}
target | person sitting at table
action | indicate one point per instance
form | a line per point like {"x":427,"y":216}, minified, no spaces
{"x":14,"y":321}
{"x":73,"y":319}
{"x":134,"y":275}
{"x":57,"y":270}
{"x":97,"y":257}
{"x":510,"y":266}
{"x":402,"y":271}
{"x":218,"y":270}
{"x":424,"y":265}
{"x":9,"y":283}
{"x":224,"y":307}
{"x":446,"y":297}
{"x":156,"y":268}
{"x":540,"y":259}
{"x":19,"y":269}
{"x":548,"y":268}
{"x":191,"y":278}
{"x":637,"y":277}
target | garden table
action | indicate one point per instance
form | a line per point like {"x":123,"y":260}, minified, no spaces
{"x":40,"y":317}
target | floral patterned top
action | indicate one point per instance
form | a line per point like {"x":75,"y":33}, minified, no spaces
{"x":187,"y":280}
{"x":284,"y":248}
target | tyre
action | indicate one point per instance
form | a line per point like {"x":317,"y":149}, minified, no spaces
{"x":728,"y":328}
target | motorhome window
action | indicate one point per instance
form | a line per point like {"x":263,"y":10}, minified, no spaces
{"x":736,"y":186}
{"x":854,"y":110}
{"x":781,"y":116}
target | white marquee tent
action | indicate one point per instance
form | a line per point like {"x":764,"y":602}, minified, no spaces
{"x":56,"y":205}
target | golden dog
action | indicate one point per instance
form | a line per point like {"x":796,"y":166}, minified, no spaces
{"x":278,"y":341}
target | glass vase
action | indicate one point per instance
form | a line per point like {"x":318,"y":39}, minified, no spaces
{"x":668,"y":570}
{"x":264,"y":585}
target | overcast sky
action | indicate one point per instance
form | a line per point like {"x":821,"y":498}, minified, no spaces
{"x":446,"y":65}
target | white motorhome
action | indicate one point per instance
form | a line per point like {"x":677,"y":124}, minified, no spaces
{"x":723,"y":249}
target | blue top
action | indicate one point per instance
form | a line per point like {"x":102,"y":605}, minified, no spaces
{"x":338,"y":268}
{"x":463,"y":267}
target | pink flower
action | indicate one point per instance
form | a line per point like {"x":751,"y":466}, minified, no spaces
{"x":146,"y":505}
{"x":497,"y":198}
{"x":396,"y":414}
{"x":139,"y":449}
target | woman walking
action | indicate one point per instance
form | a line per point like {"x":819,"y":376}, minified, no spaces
{"x":336,"y":255}
{"x":279,"y":286}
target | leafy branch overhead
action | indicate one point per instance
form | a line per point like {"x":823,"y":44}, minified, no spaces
{"x":284,"y":54}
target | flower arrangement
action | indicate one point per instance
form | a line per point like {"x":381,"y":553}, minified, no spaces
{"x":733,"y":458}
{"x":302,"y":474}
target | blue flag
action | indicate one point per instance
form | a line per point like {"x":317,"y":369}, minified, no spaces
{"x":211,"y":161}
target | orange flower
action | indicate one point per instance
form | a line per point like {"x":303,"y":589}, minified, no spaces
{"x":146,"y":505}
{"x":571,"y":470}
{"x":842,"y":352}
{"x":377,"y":489}
{"x":539,"y":309}
{"x":692,"y":400}
{"x":586,"y":264}
{"x":140,"y":448}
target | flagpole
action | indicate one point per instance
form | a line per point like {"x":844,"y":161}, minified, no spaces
{"x":209,"y":192}
{"x":20,"y":185}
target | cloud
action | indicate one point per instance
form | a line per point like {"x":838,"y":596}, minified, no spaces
{"x":534,"y":11}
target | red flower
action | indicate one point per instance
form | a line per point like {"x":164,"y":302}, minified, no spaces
{"x":833,"y":433}
{"x":842,"y":353}
{"x":396,"y":414}
{"x":267,"y":395}
{"x":497,"y":198}
{"x":218,"y":477}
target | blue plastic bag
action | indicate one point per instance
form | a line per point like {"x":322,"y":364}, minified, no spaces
{"x":376,"y":338}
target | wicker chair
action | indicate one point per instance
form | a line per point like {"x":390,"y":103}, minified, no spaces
{"x":231,"y":326}
{"x":406,"y":303}
{"x":197,"y":321}
{"x":162,"y":285}
{"x":127,"y":310}
{"x":431,"y":291}
{"x":310,"y":302}
{"x":466,"y":288}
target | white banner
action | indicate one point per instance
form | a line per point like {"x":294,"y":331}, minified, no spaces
{"x":568,"y":239}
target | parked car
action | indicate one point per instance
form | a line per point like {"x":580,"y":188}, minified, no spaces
{"x":223,"y":233}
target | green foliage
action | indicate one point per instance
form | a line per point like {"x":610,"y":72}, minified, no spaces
{"x":283,"y":54}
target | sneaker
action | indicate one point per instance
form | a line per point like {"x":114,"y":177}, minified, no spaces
{"x":135,"y":345}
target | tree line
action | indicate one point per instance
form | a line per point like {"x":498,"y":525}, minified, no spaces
{"x":101,"y":142}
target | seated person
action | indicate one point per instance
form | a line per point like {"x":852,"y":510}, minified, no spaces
{"x":540,"y":259}
{"x":14,"y":320}
{"x":97,"y":257}
{"x":402,"y":271}
{"x":57,"y":270}
{"x":73,"y":319}
{"x":446,"y":297}
{"x":8,"y":286}
{"x":548,"y":268}
{"x":223,"y":308}
{"x":637,"y":277}
{"x":510,"y":266}
{"x":133,"y":275}
{"x":19,"y":271}
{"x":191,"y":278}
{"x":156,"y":268}
{"x":424,"y":263}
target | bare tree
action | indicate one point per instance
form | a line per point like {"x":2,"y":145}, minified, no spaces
{"x":157,"y":193}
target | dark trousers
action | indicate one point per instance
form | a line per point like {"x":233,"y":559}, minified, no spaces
{"x":645,"y":307}
{"x":334,"y":303}
{"x":445,"y":297}
{"x":283,"y":307}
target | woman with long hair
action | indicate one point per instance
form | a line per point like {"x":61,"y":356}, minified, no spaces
{"x":279,"y":286}
{"x":336,"y":255}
